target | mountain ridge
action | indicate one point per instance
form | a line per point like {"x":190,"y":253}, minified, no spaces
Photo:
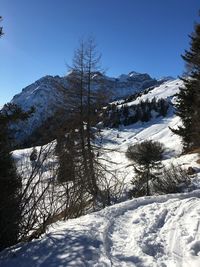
{"x":49,"y":93}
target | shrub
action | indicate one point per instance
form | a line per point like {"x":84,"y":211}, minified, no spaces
{"x":172,"y":180}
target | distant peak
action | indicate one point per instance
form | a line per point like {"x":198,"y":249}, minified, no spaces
{"x":167,"y":78}
{"x":130,"y":74}
{"x":133,"y":73}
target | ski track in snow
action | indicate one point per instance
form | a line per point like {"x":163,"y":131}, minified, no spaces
{"x":155,"y":233}
{"x":158,"y":231}
{"x":162,"y":231}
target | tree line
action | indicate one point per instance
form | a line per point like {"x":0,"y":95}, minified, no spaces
{"x":114,"y":115}
{"x":71,"y":181}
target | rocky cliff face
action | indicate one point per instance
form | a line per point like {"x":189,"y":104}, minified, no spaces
{"x":50,"y":93}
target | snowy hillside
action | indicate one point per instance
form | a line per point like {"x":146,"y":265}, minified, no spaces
{"x":157,"y":231}
{"x":46,"y":95}
{"x":149,"y":231}
{"x":166,"y":90}
{"x":49,"y":93}
{"x":116,"y":141}
{"x":158,"y":129}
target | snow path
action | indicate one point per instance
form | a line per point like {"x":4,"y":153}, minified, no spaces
{"x":162,"y":231}
{"x":158,"y":233}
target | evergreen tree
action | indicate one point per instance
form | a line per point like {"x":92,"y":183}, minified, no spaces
{"x":188,"y":99}
{"x":10,"y":181}
{"x":163,"y":107}
{"x":147,"y":158}
{"x":10,"y":185}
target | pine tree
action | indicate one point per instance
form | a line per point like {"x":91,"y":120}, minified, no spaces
{"x":10,"y":181}
{"x":147,"y":163}
{"x":10,"y":185}
{"x":188,"y":99}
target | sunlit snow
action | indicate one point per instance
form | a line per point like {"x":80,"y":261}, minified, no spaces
{"x":157,"y":231}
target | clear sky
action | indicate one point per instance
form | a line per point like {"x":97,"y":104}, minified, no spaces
{"x":141,"y":35}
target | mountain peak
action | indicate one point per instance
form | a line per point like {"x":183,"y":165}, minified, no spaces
{"x":48,"y":94}
{"x":133,"y":73}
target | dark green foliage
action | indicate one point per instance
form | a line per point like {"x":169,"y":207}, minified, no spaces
{"x":162,"y":107}
{"x":10,"y":184}
{"x":136,"y":95}
{"x":10,"y":181}
{"x":188,"y":99}
{"x":146,"y":153}
{"x":114,"y":116}
{"x":146,"y":157}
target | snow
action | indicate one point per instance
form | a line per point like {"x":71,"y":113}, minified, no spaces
{"x":116,"y":141}
{"x":166,"y":90}
{"x":49,"y":93}
{"x":157,"y":231}
{"x":149,"y":231}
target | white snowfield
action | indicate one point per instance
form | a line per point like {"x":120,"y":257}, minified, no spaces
{"x":157,"y":231}
{"x":162,"y":231}
{"x":165,"y":90}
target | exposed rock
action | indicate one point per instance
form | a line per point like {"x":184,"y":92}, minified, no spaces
{"x":50,"y":93}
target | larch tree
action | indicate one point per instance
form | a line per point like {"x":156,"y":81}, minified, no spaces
{"x":92,"y":60}
{"x":84,"y":101}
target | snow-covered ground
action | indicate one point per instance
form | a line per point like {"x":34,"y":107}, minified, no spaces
{"x":158,"y":231}
{"x":166,"y":90}
{"x":161,"y":231}
{"x":116,"y":141}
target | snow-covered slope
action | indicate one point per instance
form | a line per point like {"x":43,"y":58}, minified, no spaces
{"x":116,"y":141}
{"x":159,"y":231}
{"x":49,"y":93}
{"x":166,"y":90}
{"x":46,"y":95}
{"x":127,"y":84}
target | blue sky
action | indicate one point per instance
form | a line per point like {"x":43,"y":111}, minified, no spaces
{"x":141,"y":35}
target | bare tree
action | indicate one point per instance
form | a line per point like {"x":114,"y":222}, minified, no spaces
{"x":44,"y":200}
{"x":86,"y":63}
{"x":38,"y":190}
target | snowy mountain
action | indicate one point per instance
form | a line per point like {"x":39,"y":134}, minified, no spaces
{"x":49,"y":93}
{"x":46,"y":95}
{"x":156,"y":231}
{"x":127,"y":84}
